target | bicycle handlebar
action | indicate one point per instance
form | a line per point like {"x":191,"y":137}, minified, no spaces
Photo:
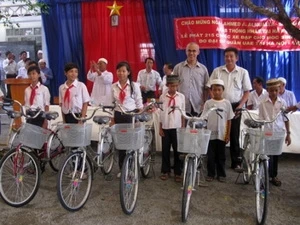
{"x":262,"y":122}
{"x":103,"y":107}
{"x":7,"y":102}
{"x":138,"y":112}
{"x":202,"y":117}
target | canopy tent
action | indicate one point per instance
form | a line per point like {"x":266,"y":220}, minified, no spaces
{"x":81,"y":31}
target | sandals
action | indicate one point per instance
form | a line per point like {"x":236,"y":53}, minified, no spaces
{"x":178,"y":178}
{"x":209,"y":179}
{"x":275,"y":181}
{"x":164,"y":176}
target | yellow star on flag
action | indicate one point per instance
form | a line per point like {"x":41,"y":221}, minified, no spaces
{"x":115,"y":9}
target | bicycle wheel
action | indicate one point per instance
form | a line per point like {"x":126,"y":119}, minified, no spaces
{"x":187,"y":190}
{"x":107,"y":153}
{"x":19,"y":177}
{"x":129,"y":184}
{"x":73,"y":189}
{"x":246,"y":160}
{"x":261,"y":191}
{"x":147,"y":154}
{"x":57,"y":152}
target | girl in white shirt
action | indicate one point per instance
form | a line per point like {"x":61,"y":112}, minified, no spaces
{"x":128,"y":94}
{"x":37,"y":96}
{"x":73,"y":95}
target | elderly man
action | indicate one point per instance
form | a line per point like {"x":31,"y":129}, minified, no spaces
{"x":257,"y":95}
{"x":148,"y":79}
{"x":286,"y":95}
{"x":47,"y":72}
{"x":193,"y":77}
{"x":168,"y":70}
{"x":39,"y":54}
{"x":102,"y":79}
{"x":237,"y":88}
{"x":10,"y":69}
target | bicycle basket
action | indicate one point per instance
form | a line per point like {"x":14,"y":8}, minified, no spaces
{"x":193,"y":140}
{"x":128,"y":138}
{"x":4,"y":129}
{"x":265,"y":141}
{"x":75,"y":135}
{"x":33,"y":136}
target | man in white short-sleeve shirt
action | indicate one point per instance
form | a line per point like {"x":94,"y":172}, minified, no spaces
{"x":288,"y":96}
{"x":257,"y":95}
{"x":237,"y":88}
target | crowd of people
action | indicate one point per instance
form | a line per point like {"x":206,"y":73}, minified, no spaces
{"x":187,"y":85}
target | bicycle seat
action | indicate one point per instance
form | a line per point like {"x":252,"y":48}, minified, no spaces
{"x":14,"y":114}
{"x":51,"y":115}
{"x":101,"y":119}
{"x":252,"y":124}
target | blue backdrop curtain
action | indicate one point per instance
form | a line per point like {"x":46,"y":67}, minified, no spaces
{"x":62,"y":26}
{"x":64,"y":39}
{"x":160,"y":16}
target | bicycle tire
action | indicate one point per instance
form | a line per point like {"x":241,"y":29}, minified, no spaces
{"x":20,"y":177}
{"x":261,"y":192}
{"x":73,"y":191}
{"x":107,"y":156}
{"x":187,"y":190}
{"x":148,"y":148}
{"x":129,"y":184}
{"x":57,"y":152}
{"x":246,"y":160}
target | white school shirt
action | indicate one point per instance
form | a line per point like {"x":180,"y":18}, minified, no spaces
{"x":171,"y":120}
{"x":149,"y":80}
{"x":236,"y":82}
{"x":132,"y":100}
{"x":41,"y":99}
{"x":289,"y":98}
{"x":268,"y":111}
{"x":1,"y":94}
{"x":255,"y":100}
{"x":216,"y":124}
{"x":20,"y":64}
{"x":78,"y":96}
{"x":101,"y":92}
{"x":22,"y":73}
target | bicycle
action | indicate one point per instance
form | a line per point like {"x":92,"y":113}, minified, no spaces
{"x":194,"y":143}
{"x":258,"y":144}
{"x":21,"y":167}
{"x":75,"y":176}
{"x":134,"y":139}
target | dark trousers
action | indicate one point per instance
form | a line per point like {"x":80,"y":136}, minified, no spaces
{"x":170,"y":139}
{"x":235,"y":139}
{"x":273,"y":166}
{"x":121,"y":118}
{"x":148,"y":94}
{"x":216,"y":158}
{"x":8,"y":86}
{"x":69,"y":118}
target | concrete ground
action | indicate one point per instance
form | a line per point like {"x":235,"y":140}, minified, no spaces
{"x":159,"y":202}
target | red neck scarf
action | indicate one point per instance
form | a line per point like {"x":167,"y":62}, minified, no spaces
{"x":67,"y":96}
{"x":122,"y":93}
{"x":32,"y":95}
{"x":172,"y":99}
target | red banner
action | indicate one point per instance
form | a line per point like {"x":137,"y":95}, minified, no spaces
{"x":244,"y":34}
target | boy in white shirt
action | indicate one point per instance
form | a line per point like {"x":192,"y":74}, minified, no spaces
{"x":220,"y":131}
{"x":268,"y":109}
{"x":170,"y":120}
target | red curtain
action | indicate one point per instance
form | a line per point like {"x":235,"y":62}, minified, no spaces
{"x":129,"y":41}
